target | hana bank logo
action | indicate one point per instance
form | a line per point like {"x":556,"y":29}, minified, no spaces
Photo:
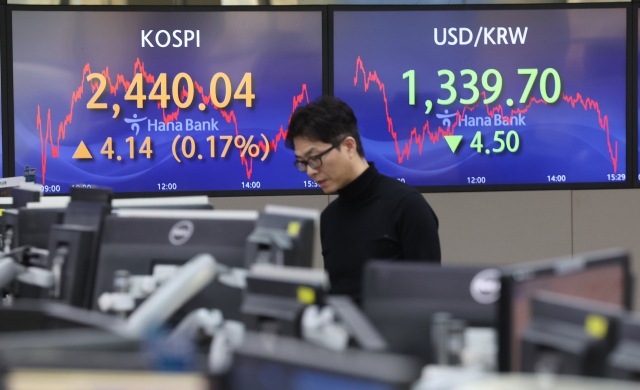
{"x":135,"y":126}
{"x":181,"y":232}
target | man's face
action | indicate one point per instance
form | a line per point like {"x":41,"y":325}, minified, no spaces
{"x":335,"y":171}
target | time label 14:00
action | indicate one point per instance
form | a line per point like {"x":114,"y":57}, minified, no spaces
{"x":491,"y":81}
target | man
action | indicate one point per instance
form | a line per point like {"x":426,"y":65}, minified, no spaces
{"x":374,"y":217}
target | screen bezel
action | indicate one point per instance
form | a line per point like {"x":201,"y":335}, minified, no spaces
{"x":630,"y":77}
{"x":10,"y":166}
{"x":7,"y":136}
{"x":633,"y":37}
{"x":541,"y":269}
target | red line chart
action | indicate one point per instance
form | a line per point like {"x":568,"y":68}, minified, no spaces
{"x":403,"y":151}
{"x":47,"y":138}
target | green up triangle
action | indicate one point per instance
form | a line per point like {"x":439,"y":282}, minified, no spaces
{"x":453,"y":141}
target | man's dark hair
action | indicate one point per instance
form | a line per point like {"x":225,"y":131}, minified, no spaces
{"x":327,"y":119}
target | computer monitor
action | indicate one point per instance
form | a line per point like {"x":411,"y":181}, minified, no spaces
{"x":266,"y":361}
{"x":600,"y":276}
{"x":624,"y":361}
{"x":274,"y":59}
{"x":283,"y":236}
{"x":28,"y":226}
{"x":32,"y":223}
{"x":138,"y":240}
{"x":27,"y":192}
{"x":69,"y":227}
{"x":71,"y":259}
{"x":569,"y":335}
{"x":29,"y":219}
{"x":275,"y":297}
{"x":403,"y":72}
{"x":73,"y":246}
{"x":78,"y":245}
{"x":400,"y":299}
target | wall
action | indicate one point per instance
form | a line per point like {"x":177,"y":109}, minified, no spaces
{"x":497,"y":228}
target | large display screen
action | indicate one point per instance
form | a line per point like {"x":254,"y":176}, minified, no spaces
{"x":485,"y":96}
{"x":162,"y":101}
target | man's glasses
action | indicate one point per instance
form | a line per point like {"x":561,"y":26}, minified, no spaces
{"x":314,"y":162}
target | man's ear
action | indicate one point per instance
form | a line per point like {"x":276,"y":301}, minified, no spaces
{"x":350,"y":144}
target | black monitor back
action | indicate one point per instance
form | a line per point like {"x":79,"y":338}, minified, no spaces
{"x":624,"y":360}
{"x":602,"y":276}
{"x":30,"y":226}
{"x":569,"y":335}
{"x":296,"y":230}
{"x":22,"y":196}
{"x":400,"y":298}
{"x":72,"y":258}
{"x":138,"y":243}
{"x":88,"y":206}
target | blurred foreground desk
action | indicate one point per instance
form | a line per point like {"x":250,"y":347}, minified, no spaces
{"x":100,"y":380}
{"x":547,"y":382}
{"x":267,"y":361}
{"x":437,"y":378}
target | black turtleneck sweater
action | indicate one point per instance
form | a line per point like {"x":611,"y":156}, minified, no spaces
{"x":375,"y":217}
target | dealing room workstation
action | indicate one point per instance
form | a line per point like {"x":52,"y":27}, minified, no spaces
{"x":313,"y":195}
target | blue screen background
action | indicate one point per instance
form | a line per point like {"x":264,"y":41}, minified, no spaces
{"x":53,"y":53}
{"x":561,"y":141}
